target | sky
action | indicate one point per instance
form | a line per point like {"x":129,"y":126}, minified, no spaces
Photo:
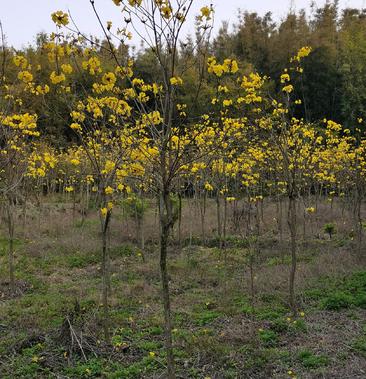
{"x":23,"y":19}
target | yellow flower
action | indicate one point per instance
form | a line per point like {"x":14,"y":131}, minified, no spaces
{"x":227,"y":103}
{"x":103,"y":211}
{"x":108,"y":190}
{"x":25,"y":76}
{"x":60,"y":18}
{"x":285,"y":78}
{"x":75,"y":126}
{"x":288,"y":89}
{"x":41,"y":172}
{"x":218,"y":70}
{"x":108,"y":167}
{"x":208,"y":187}
{"x":152,"y":354}
{"x":205,"y":12}
{"x":77,"y":116}
{"x":109,"y":78}
{"x":93,"y":65}
{"x":304,"y":52}
{"x":135,"y":2}
{"x":230,"y":66}
{"x":75,"y":162}
{"x":42,"y":90}
{"x":69,"y":189}
{"x":20,"y":61}
{"x":56,"y":79}
{"x":223,"y":89}
{"x":66,"y":68}
{"x":166,"y":11}
{"x":176,"y":81}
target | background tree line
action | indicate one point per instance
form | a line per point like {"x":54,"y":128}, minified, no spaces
{"x":333,"y":85}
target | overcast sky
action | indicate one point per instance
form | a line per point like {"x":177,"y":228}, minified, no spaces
{"x":23,"y":19}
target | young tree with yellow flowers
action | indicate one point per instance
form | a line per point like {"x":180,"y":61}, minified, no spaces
{"x":18,"y":130}
{"x":163,"y":140}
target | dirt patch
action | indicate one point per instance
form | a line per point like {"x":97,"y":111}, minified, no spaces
{"x":21,"y":287}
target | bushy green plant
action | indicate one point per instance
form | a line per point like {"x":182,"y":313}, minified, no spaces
{"x":268,"y":337}
{"x":310,"y":360}
{"x":330,"y":229}
{"x":337,"y":300}
{"x":359,"y":345}
{"x":206,"y":317}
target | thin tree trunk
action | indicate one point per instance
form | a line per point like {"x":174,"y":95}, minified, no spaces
{"x":180,"y":220}
{"x":251,"y":268}
{"x":203,"y":216}
{"x":140,"y":235}
{"x":105,"y":276}
{"x":262,"y":210}
{"x":73,"y":206}
{"x":279,"y":218}
{"x":24,"y":213}
{"x":292,"y":226}
{"x":166,"y":224}
{"x":190,"y":223}
{"x":10,"y":221}
{"x":358,"y":219}
{"x":218,"y":211}
{"x":257,"y":220}
{"x":225,"y":222}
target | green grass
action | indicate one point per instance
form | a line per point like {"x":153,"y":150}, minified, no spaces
{"x":215,"y":323}
{"x":311,"y":361}
{"x":359,"y":345}
{"x":339,"y":293}
{"x":80,"y":260}
{"x":206,"y":317}
{"x":268,"y":337}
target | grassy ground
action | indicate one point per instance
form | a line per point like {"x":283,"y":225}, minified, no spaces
{"x":51,"y":328}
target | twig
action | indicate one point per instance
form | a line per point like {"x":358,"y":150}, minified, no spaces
{"x":73,"y":334}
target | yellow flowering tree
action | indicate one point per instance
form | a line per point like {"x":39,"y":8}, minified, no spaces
{"x":17,"y":129}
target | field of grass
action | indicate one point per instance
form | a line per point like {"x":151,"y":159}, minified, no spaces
{"x":51,"y":327}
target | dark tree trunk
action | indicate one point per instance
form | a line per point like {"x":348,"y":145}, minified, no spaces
{"x":106,"y":285}
{"x":292,"y":227}
{"x":166,"y":222}
{"x":10,"y":221}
